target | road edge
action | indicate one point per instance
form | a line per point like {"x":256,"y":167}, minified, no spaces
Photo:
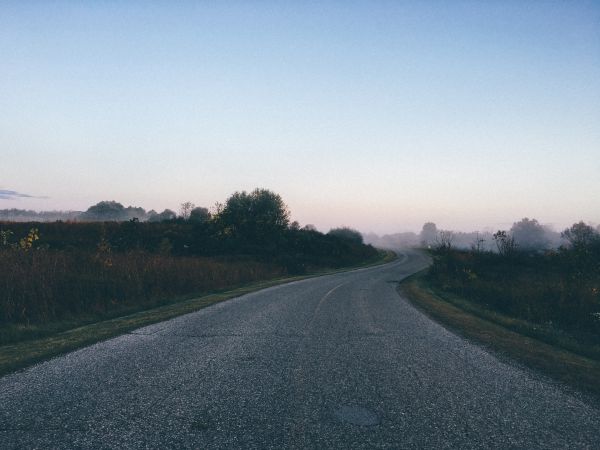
{"x":575,"y":372}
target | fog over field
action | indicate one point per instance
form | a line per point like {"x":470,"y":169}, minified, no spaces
{"x":528,"y":234}
{"x":529,"y":231}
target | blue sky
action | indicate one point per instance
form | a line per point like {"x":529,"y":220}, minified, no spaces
{"x":377,"y":115}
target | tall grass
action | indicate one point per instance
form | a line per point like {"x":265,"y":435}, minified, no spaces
{"x":56,"y":275}
{"x":41,"y":285}
{"x":556,"y":289}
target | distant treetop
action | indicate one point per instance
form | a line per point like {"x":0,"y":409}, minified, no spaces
{"x":347,"y":233}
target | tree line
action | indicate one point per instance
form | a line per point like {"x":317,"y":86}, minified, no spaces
{"x":255,"y":223}
{"x":527,"y":235}
{"x":85,"y":270}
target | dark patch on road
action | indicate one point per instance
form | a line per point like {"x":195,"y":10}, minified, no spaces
{"x":356,"y":415}
{"x":200,"y":423}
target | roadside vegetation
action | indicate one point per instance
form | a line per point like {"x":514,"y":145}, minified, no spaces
{"x":55,"y":276}
{"x":556,"y":290}
{"x":541,"y":306}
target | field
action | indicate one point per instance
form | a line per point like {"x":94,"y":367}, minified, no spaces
{"x":553,"y":295}
{"x":56,"y":276}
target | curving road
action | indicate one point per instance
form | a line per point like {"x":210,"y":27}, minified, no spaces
{"x":339,"y":361}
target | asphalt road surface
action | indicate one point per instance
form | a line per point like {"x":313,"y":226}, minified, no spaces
{"x":340,"y":361}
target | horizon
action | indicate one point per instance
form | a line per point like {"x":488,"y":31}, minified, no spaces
{"x":485,"y":229}
{"x":377,"y":116}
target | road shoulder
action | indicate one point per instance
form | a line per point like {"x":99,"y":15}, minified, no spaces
{"x":574,"y":371}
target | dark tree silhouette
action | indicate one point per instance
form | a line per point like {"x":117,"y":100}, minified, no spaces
{"x":505,"y":243}
{"x":580,"y":235}
{"x":347,"y":234}
{"x":443,"y":240}
{"x":105,"y":210}
{"x":255,"y":217}
{"x":529,"y":235}
{"x":199,"y":214}
{"x":185,"y":210}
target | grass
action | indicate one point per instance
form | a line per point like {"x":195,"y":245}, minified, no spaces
{"x":559,"y":291}
{"x":59,"y":340}
{"x":540,"y":349}
{"x":45,"y":286}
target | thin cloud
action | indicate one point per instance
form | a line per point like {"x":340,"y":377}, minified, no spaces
{"x":6,"y":194}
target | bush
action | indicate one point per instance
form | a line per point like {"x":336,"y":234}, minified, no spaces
{"x":59,"y":269}
{"x":560,"y":288}
{"x":46,"y":285}
{"x":347,"y":234}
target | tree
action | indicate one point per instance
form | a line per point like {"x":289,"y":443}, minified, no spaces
{"x":505,"y":243}
{"x":580,"y":235}
{"x":167,"y":214}
{"x":105,"y":210}
{"x":443,"y":241}
{"x":529,"y":234}
{"x":199,"y":215}
{"x":347,"y":234}
{"x":253,"y":217}
{"x":185,"y":209}
{"x":428,"y":234}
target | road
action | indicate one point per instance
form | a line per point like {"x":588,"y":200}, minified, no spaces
{"x":340,"y":361}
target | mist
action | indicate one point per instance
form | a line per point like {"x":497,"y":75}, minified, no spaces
{"x":528,"y":234}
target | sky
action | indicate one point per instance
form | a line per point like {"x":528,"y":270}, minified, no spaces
{"x":376,"y":115}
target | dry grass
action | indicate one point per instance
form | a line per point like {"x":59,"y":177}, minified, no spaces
{"x":44,"y":286}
